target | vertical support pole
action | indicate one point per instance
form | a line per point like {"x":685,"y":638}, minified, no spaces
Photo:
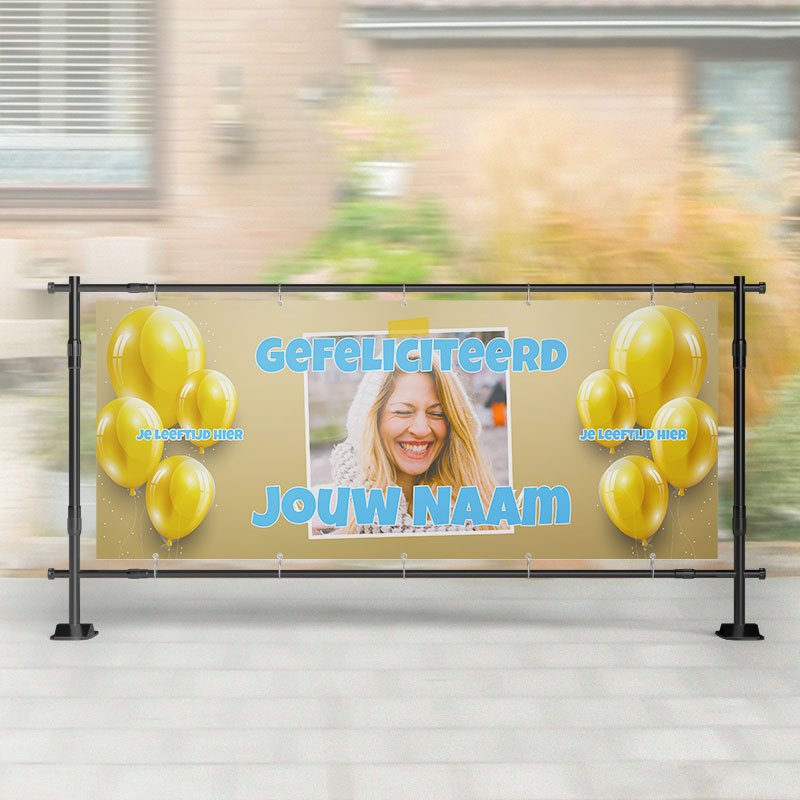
{"x":739,"y":630}
{"x":74,"y":629}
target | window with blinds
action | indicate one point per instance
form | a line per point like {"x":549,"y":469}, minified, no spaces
{"x":77,"y":97}
{"x":749,"y":125}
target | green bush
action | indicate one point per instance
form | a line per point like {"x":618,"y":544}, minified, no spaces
{"x":773,"y":477}
{"x":370,"y":240}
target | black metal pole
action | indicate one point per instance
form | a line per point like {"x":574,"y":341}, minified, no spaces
{"x":408,"y":288}
{"x":136,"y":573}
{"x":74,"y":629}
{"x":739,"y":630}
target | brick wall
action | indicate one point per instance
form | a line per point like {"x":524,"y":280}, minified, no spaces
{"x":600,"y":125}
{"x":216,"y":219}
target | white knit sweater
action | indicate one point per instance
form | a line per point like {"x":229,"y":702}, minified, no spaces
{"x":346,"y":472}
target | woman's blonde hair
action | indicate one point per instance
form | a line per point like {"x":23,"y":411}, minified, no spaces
{"x":460,"y":462}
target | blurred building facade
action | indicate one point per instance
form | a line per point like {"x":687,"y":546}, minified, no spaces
{"x":151,"y":140}
{"x":167,"y":139}
{"x":629,"y":85}
{"x":147,"y":141}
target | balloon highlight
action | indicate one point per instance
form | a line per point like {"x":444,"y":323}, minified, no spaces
{"x":151,"y":353}
{"x":686,"y":462}
{"x":663,"y":353}
{"x":126,"y":459}
{"x":634,"y":494}
{"x":207,"y":399}
{"x":607,"y":399}
{"x":178,"y":497}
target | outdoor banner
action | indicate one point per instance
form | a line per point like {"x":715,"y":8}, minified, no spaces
{"x":448,"y":429}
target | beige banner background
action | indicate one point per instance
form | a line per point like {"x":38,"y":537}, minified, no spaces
{"x":544,"y":425}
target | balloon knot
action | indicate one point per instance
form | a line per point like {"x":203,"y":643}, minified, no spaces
{"x":681,"y":492}
{"x":202,"y":451}
{"x":611,"y":450}
{"x":132,"y":492}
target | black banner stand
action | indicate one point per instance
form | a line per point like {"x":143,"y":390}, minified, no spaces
{"x":74,"y":629}
{"x":738,"y":630}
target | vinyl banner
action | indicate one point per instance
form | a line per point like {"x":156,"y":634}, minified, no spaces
{"x":568,"y":429}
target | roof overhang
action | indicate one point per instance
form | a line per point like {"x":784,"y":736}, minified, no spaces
{"x":415,"y":23}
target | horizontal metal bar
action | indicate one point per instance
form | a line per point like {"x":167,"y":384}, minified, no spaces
{"x":760,"y":574}
{"x":575,"y":23}
{"x":434,"y":288}
{"x":605,"y":28}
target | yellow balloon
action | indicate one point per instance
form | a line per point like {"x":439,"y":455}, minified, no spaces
{"x":127,"y":460}
{"x":663,"y":352}
{"x":208,"y":399}
{"x":686,"y":462}
{"x":607,"y":399}
{"x":178,"y":496}
{"x":151,"y":353}
{"x":634,"y":494}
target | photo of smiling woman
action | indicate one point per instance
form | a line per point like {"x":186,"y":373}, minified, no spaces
{"x":409,"y":428}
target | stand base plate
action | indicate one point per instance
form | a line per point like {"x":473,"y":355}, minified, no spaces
{"x":747,"y":632}
{"x":65,"y":631}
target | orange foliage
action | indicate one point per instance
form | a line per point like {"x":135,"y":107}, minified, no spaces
{"x":553,"y":212}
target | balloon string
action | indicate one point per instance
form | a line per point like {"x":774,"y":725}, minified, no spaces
{"x":680,"y":527}
{"x":135,"y":520}
{"x":142,"y":515}
{"x":132,"y":532}
{"x":672,"y":531}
